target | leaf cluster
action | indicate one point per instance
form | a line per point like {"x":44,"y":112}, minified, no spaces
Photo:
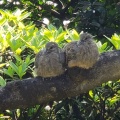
{"x":99,"y":17}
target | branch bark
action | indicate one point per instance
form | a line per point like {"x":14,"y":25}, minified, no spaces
{"x":32,"y":91}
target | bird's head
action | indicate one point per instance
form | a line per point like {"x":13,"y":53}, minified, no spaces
{"x":51,"y":47}
{"x":85,"y":36}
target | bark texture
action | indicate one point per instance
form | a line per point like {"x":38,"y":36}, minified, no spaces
{"x":32,"y":91}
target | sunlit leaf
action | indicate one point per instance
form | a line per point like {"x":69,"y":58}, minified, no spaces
{"x":115,"y":37}
{"x":114,"y":100}
{"x":2,"y":82}
{"x":18,"y":51}
{"x":48,"y":34}
{"x":73,"y":34}
{"x":21,"y":25}
{"x":24,"y":15}
{"x":115,"y":40}
{"x":91,"y":93}
{"x":60,"y":37}
{"x":101,"y":47}
{"x":3,"y":17}
{"x":2,"y":65}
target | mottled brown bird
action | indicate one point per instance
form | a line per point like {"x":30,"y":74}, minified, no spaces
{"x":50,"y":61}
{"x":83,"y":53}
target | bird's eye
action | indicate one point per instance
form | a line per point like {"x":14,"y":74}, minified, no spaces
{"x":51,"y":47}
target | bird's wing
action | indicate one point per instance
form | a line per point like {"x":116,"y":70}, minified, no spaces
{"x":37,"y":57}
{"x":71,"y":55}
{"x":72,"y":52}
{"x":62,"y":57}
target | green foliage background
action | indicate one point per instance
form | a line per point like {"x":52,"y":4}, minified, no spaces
{"x":23,"y":34}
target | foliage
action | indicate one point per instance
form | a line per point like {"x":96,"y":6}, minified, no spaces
{"x":18,"y":45}
{"x":102,"y":103}
{"x":115,"y":40}
{"x":99,"y":17}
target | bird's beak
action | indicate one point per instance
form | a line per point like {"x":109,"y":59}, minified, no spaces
{"x":47,"y":51}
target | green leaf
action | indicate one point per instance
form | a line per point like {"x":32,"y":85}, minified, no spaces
{"x":22,"y":70}
{"x":48,"y":34}
{"x":60,"y":30}
{"x":16,"y":43}
{"x":96,"y":98}
{"x":28,"y":60}
{"x":14,"y":67}
{"x":24,"y":67}
{"x":61,"y":37}
{"x":3,"y":17}
{"x":21,"y":25}
{"x":18,"y":58}
{"x":8,"y":36}
{"x":91,"y":93}
{"x":118,"y":91}
{"x":24,"y":15}
{"x":115,"y":40}
{"x":20,"y":73}
{"x":10,"y":72}
{"x":108,"y":38}
{"x":2,"y":65}
{"x":114,"y":100}
{"x":73,"y":34}
{"x":101,"y":47}
{"x":2,"y":82}
{"x":104,"y":46}
{"x":51,"y":27}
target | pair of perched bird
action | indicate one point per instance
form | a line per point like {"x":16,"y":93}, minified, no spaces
{"x":52,"y":60}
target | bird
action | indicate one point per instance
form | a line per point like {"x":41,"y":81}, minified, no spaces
{"x":83,"y":53}
{"x":49,"y":62}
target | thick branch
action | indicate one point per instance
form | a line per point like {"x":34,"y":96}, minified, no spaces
{"x":32,"y":91}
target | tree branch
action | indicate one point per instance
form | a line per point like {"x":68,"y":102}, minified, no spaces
{"x":60,"y":4}
{"x":62,"y":12}
{"x":71,"y":3}
{"x":32,"y":91}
